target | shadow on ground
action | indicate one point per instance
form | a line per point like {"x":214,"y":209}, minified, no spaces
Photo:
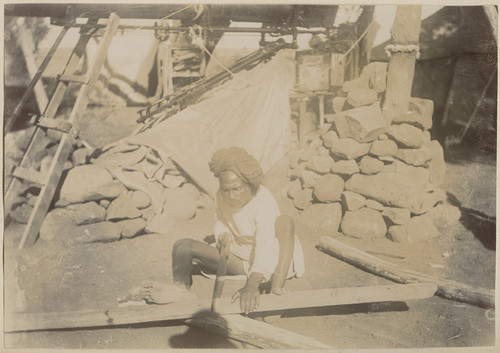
{"x":481,"y":225}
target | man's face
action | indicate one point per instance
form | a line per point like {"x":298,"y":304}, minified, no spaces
{"x":236,"y":192}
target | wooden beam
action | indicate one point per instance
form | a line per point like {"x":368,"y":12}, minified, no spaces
{"x":186,"y":310}
{"x":405,"y":32}
{"x":446,"y":288}
{"x":257,"y":333}
{"x":28,"y":48}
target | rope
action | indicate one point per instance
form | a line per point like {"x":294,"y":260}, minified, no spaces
{"x":344,"y":55}
{"x":233,"y":75}
{"x":401,"y":48}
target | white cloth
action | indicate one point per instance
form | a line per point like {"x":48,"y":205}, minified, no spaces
{"x":252,"y":229}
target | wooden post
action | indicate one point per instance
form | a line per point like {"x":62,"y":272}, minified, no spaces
{"x":492,"y":15}
{"x":446,"y":288}
{"x":28,"y":48}
{"x":405,"y":33}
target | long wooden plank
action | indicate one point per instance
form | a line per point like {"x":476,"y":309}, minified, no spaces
{"x":255,"y":332}
{"x":186,"y":310}
{"x":446,"y":288}
{"x":65,"y":145}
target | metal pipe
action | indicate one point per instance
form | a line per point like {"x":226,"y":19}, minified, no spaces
{"x":281,"y":31}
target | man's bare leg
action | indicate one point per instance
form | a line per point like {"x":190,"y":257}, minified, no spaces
{"x":285,"y":231}
{"x":183,"y":254}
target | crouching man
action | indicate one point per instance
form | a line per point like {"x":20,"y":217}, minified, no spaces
{"x":249,"y":230}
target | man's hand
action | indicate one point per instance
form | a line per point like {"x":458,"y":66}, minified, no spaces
{"x":224,"y":243}
{"x":250,"y":295}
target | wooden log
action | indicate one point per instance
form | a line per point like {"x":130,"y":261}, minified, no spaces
{"x":257,"y":333}
{"x":446,"y":288}
{"x":185,"y":310}
{"x":405,"y":31}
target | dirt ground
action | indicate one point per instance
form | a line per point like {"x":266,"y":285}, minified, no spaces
{"x":67,"y":277}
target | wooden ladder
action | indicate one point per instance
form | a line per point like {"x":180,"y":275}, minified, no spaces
{"x":48,"y":182}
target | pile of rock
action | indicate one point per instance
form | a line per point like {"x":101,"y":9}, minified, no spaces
{"x":368,"y":177}
{"x":94,"y":207}
{"x":16,"y":143}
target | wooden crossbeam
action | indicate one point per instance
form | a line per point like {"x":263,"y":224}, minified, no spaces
{"x":185,"y":310}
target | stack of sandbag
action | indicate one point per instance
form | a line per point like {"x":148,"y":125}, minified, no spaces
{"x":370,"y":178}
{"x":124,"y":193}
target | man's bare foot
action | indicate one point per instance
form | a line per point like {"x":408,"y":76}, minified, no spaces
{"x":159,"y":293}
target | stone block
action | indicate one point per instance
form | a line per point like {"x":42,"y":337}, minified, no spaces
{"x":324,"y":216}
{"x":160,"y":223}
{"x":303,"y":198}
{"x":22,"y":213}
{"x":375,"y":73}
{"x":437,"y":165}
{"x":98,"y":232}
{"x":308,"y":153}
{"x":309,"y":178}
{"x":356,"y":83}
{"x":180,"y":204}
{"x":359,"y":97}
{"x":293,"y":188}
{"x":352,"y":201}
{"x":421,"y":228}
{"x":295,"y":173}
{"x":86,"y":213}
{"x":363,"y":124}
{"x":104,"y":203}
{"x":131,"y":227}
{"x":397,"y":215}
{"x":122,"y":208}
{"x":391,"y":188}
{"x":370,"y":165}
{"x":328,"y":188}
{"x":320,"y":164}
{"x":88,"y":183}
{"x":430,"y":199}
{"x":345,"y":167}
{"x":387,"y":159}
{"x":406,"y":135}
{"x":140,"y":199}
{"x":364,"y":223}
{"x":419,"y":113}
{"x":398,"y":233}
{"x":444,"y":215}
{"x":58,"y":224}
{"x":338,"y":104}
{"x":348,"y":148}
{"x":374,"y":205}
{"x":384,"y":148}
{"x":415,"y":156}
{"x":329,"y":138}
{"x":79,"y":156}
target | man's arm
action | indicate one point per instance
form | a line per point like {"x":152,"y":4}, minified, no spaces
{"x":250,"y":295}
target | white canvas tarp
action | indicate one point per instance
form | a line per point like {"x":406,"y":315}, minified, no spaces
{"x":251,"y":111}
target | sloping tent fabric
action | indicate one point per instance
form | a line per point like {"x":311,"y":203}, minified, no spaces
{"x":251,"y":111}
